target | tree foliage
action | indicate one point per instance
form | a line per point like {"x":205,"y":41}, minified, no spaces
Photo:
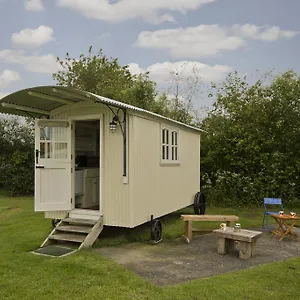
{"x":98,"y":74}
{"x":251,"y":149}
{"x":16,"y":156}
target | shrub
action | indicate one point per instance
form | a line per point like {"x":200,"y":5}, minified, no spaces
{"x":16,"y":156}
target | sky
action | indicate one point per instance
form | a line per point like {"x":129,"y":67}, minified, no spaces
{"x":206,"y":37}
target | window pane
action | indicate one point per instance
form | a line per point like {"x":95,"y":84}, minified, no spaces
{"x":176,"y":134}
{"x":172,"y":153}
{"x":163,"y":136}
{"x":49,"y":150}
{"x":176,"y":154}
{"x":163,"y":152}
{"x":61,"y":150}
{"x":167,"y":136}
{"x":42,"y":150}
{"x":167,"y":152}
{"x":59,"y":133}
{"x":45,"y":134}
{"x":46,"y":150}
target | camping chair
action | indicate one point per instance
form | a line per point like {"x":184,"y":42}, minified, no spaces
{"x":267,"y":203}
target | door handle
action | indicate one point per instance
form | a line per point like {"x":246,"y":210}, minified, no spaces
{"x":36,"y":156}
{"x":39,"y":167}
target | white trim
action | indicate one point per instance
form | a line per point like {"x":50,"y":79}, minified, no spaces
{"x":96,"y":117}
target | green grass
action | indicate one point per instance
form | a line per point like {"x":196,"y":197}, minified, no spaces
{"x":87,"y":275}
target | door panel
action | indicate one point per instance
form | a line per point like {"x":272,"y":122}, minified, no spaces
{"x":52,"y":165}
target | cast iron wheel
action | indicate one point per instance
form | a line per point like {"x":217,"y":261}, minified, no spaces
{"x":156,"y":231}
{"x":199,"y":204}
{"x":54,"y":222}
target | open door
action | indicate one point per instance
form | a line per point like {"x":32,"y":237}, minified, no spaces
{"x":53,"y":165}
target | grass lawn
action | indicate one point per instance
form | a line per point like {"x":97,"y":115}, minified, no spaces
{"x":86,"y":275}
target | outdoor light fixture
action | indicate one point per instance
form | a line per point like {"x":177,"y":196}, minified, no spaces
{"x":113,"y":124}
{"x":113,"y":127}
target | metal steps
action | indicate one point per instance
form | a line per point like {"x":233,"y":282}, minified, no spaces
{"x":81,"y":231}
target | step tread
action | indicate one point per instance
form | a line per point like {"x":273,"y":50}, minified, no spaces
{"x":68,"y":237}
{"x":74,"y":228}
{"x":80,"y":221}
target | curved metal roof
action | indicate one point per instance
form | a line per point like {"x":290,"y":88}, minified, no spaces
{"x":41,"y":100}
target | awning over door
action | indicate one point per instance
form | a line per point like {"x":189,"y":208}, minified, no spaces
{"x":39,"y":101}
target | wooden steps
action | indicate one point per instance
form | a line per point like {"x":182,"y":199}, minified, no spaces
{"x":68,"y":237}
{"x":80,"y":221}
{"x":72,"y":230}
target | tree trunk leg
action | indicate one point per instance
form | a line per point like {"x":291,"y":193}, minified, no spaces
{"x":222,"y":246}
{"x":245,"y":250}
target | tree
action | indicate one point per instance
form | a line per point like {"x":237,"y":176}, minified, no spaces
{"x":17,"y":156}
{"x":106,"y":77}
{"x":251,"y":149}
{"x":100,"y":75}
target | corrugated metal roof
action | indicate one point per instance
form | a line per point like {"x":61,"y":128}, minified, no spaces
{"x":40,"y":100}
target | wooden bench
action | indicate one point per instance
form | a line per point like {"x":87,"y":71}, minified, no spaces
{"x":245,"y":240}
{"x":188,"y":219}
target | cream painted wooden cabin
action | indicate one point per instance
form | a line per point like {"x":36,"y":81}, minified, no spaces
{"x":102,"y":162}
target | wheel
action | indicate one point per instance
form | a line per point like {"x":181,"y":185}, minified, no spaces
{"x":54,"y":222}
{"x":199,"y":204}
{"x":156,"y":231}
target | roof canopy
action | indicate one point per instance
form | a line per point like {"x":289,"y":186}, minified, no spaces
{"x":40,"y":101}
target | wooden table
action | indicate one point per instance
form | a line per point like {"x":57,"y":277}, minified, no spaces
{"x":189,"y":219}
{"x":285,"y":225}
{"x":245,"y":240}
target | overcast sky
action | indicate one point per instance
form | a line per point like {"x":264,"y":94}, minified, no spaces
{"x":160,"y":36}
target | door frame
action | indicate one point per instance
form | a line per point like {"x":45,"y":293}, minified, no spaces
{"x":73,"y":119}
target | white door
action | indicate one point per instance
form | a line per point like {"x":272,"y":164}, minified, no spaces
{"x":53,"y":165}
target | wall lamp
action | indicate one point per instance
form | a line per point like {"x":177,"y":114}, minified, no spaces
{"x":113,"y":124}
{"x":116,"y":120}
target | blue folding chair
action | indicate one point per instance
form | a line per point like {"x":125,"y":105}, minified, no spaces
{"x":267,"y":203}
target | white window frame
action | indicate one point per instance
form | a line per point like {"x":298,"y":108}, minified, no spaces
{"x":168,"y":147}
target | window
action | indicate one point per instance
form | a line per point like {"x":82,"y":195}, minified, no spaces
{"x":169,"y":145}
{"x":53,"y":142}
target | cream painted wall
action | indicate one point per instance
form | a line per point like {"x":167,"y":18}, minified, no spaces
{"x":157,"y":188}
{"x":153,"y":188}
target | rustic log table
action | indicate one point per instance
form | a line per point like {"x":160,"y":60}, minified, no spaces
{"x":245,"y":240}
{"x":285,"y":226}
